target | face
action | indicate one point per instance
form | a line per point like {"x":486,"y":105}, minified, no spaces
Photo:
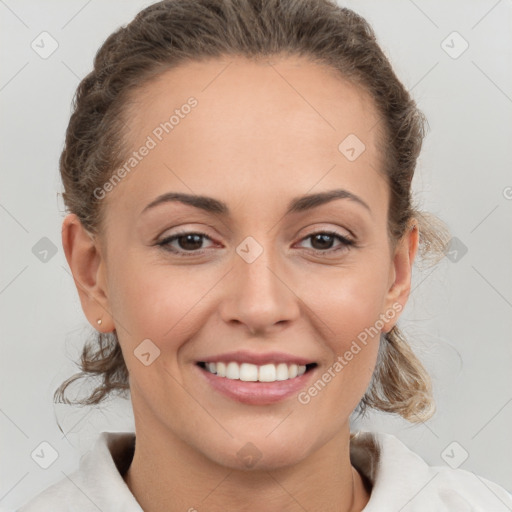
{"x":258,"y":270}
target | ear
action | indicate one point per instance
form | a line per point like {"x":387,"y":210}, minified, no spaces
{"x":87,"y":265}
{"x":400,"y":275}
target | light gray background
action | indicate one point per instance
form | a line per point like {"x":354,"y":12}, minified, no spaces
{"x":459,"y":316}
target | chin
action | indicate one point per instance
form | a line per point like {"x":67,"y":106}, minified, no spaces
{"x":258,"y":453}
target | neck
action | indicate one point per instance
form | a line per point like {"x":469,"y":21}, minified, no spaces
{"x":167,"y":474}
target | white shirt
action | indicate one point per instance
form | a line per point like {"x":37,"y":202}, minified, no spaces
{"x":402,"y":480}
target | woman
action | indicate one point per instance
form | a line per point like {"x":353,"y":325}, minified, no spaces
{"x":241,"y":235}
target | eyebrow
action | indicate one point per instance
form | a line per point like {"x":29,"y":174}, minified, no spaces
{"x":296,"y":205}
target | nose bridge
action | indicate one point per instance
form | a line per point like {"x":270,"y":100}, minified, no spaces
{"x":254,"y":265}
{"x":260,"y":296}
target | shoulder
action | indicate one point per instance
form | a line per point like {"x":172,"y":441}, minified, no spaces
{"x":97,"y":484}
{"x":402,"y":480}
{"x":60,"y":496}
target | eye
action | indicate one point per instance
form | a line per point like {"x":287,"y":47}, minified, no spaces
{"x":322,"y":241}
{"x":187,"y":242}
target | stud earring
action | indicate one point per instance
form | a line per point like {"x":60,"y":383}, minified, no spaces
{"x":98,"y":321}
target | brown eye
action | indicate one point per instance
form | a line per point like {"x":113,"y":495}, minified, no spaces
{"x":184,"y":243}
{"x":323,"y":241}
{"x":190,"y":242}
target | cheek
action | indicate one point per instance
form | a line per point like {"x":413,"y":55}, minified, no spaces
{"x":346,"y":309}
{"x":159,"y":303}
{"x":346,"y":300}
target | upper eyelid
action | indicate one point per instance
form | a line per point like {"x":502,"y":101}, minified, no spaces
{"x":315,"y":232}
{"x":175,"y":236}
{"x":172,"y":238}
{"x":187,"y":231}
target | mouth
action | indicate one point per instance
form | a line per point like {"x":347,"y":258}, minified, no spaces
{"x":248,"y":372}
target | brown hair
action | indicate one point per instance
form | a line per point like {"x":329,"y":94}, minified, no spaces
{"x":171,"y":32}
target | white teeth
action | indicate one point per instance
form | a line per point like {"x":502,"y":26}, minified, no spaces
{"x":232,"y":371}
{"x":248,"y":372}
{"x":251,"y":373}
{"x":267,"y":373}
{"x":282,"y":371}
{"x":292,"y":370}
{"x":221,"y":369}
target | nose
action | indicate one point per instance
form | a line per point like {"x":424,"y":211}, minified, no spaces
{"x":260,"y":296}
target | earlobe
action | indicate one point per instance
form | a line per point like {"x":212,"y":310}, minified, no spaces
{"x":400,"y":286}
{"x":86,"y":262}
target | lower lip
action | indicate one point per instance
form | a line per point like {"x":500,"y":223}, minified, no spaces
{"x":257,"y":393}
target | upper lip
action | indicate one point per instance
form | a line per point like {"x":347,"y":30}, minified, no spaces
{"x":242,"y":356}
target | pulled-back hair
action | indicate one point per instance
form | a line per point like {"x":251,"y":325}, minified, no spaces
{"x":172,"y":32}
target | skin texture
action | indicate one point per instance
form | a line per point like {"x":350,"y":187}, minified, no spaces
{"x":262,"y":134}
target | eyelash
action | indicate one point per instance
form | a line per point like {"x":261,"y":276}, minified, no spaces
{"x":346,"y":242}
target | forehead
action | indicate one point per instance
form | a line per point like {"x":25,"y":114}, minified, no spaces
{"x":275,"y":123}
{"x":256,"y":94}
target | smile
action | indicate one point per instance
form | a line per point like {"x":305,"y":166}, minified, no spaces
{"x":248,"y":372}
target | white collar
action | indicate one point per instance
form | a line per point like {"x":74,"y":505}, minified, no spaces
{"x":402,"y":480}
